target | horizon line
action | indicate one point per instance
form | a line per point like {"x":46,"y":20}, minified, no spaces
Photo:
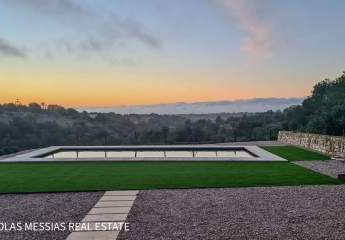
{"x":191,"y":103}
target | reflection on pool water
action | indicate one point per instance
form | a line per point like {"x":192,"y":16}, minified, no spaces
{"x":119,"y":154}
{"x":152,"y":154}
{"x":178,"y":154}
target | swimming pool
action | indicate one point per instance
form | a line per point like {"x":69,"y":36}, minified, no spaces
{"x":147,"y":153}
{"x":142,"y":153}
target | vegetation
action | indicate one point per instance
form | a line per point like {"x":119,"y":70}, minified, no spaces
{"x":323,"y":112}
{"x":38,"y":125}
{"x":292,"y":153}
{"x":88,"y":176}
{"x":34,"y":126}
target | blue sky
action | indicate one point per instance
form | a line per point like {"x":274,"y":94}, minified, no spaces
{"x":155,"y":51}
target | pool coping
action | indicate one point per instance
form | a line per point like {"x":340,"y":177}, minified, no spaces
{"x":261,"y":155}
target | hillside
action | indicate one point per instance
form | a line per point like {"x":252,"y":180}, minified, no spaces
{"x":32,"y":126}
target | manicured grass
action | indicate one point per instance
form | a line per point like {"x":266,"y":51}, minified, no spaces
{"x":91,"y":176}
{"x":292,"y":153}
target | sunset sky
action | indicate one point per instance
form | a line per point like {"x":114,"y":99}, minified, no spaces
{"x":130,"y":52}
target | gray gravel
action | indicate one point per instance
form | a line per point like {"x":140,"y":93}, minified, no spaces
{"x":316,"y":212}
{"x":331,"y":168}
{"x":47,"y":207}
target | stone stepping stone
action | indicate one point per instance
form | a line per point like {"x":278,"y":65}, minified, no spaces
{"x":99,"y":226}
{"x":117,"y":198}
{"x":112,"y":208}
{"x":113,"y":217}
{"x":113,"y":204}
{"x":107,"y":210}
{"x":121,"y":193}
{"x":104,"y":235}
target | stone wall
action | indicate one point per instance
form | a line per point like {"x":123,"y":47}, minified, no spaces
{"x":332,"y":145}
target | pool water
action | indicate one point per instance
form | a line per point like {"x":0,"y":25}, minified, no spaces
{"x":152,"y":154}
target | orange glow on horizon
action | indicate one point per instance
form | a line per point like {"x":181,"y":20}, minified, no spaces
{"x":142,"y":87}
{"x":49,"y":100}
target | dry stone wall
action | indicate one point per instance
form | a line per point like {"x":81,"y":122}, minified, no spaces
{"x":332,"y":145}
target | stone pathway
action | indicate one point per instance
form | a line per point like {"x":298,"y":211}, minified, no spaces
{"x":111,"y":210}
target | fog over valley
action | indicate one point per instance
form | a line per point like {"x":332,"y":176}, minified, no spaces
{"x":248,"y":105}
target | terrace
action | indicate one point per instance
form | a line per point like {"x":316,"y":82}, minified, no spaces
{"x":92,"y":168}
{"x":147,"y":153}
{"x":102,"y":184}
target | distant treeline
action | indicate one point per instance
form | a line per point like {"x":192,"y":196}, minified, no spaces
{"x":39,"y":125}
{"x":32,"y":126}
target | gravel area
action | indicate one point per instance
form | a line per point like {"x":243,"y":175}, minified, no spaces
{"x":48,"y":207}
{"x":316,"y":212}
{"x":331,"y":168}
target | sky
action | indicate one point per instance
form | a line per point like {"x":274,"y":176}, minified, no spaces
{"x":135,"y":52}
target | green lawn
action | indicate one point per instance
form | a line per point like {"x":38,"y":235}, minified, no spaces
{"x":90,"y":176}
{"x":292,"y":153}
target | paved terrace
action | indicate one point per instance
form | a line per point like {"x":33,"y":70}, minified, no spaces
{"x":308,"y":212}
{"x":253,"y":143}
{"x":255,"y":153}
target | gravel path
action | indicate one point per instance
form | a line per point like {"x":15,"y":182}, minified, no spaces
{"x":316,"y":212}
{"x":331,"y":168}
{"x":48,"y":207}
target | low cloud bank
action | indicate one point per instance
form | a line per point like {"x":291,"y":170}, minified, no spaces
{"x":250,"y":105}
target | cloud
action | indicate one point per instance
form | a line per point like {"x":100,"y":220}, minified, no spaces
{"x":8,"y":50}
{"x":59,"y":9}
{"x":251,"y":17}
{"x":248,"y":105}
{"x":136,"y":30}
{"x":96,"y":31}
